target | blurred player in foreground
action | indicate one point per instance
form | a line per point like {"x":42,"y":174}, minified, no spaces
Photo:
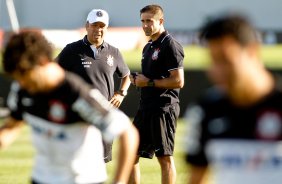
{"x":66,"y":116}
{"x":236,"y":128}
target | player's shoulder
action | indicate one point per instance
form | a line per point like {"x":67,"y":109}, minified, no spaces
{"x":111,"y":49}
{"x":275,"y":97}
{"x":110,"y":46}
{"x":276,"y":93}
{"x":171,"y":42}
{"x":76,"y":83}
{"x":213,"y":99}
{"x":278,"y":81}
{"x":71,"y":47}
{"x":76,"y":44}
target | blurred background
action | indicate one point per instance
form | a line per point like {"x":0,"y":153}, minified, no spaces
{"x":62,"y":22}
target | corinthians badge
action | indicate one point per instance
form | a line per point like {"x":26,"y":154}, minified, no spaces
{"x":99,"y":14}
{"x":110,"y":60}
{"x":156,"y":54}
{"x":57,"y":111}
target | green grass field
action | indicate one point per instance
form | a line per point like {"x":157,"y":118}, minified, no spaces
{"x":16,"y":161}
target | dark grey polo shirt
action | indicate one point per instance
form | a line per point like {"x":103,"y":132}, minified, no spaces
{"x":98,"y":70}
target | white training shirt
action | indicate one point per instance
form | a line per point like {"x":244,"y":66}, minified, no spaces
{"x":68,"y":150}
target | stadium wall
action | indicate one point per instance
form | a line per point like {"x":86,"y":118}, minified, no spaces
{"x":179,"y":15}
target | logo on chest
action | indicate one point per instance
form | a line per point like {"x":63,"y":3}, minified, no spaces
{"x":110,"y":60}
{"x":85,"y":61}
{"x":155,"y":54}
{"x":57,"y":111}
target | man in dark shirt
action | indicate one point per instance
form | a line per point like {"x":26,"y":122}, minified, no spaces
{"x":96,"y":62}
{"x":236,"y":128}
{"x":160,"y":82}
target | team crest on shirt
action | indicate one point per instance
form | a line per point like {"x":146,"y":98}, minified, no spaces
{"x":110,"y":60}
{"x":156,"y":54}
{"x":57,"y":111}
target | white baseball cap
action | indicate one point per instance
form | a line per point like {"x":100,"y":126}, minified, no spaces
{"x":98,"y":15}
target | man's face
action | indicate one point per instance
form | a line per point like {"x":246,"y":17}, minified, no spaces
{"x":33,"y":80}
{"x":96,"y":32}
{"x":228,"y":60}
{"x":150,"y":23}
{"x":27,"y":80}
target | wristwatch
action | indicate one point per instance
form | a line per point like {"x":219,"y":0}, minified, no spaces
{"x":122,"y":92}
{"x":151,"y":83}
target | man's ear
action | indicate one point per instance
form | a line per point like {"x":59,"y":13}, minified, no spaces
{"x":161,"y":21}
{"x":254,"y":50}
{"x":86,"y":24}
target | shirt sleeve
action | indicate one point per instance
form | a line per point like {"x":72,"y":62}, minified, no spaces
{"x":96,"y":109}
{"x":122,"y":69}
{"x":65,"y":58}
{"x":13,"y":101}
{"x":175,"y":56}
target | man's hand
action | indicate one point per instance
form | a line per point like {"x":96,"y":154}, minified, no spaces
{"x":139,"y":80}
{"x":117,"y":99}
{"x":9,"y":131}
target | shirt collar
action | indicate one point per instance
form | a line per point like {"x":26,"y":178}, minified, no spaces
{"x":161,"y":38}
{"x":86,"y":42}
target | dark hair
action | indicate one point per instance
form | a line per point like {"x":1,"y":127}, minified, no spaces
{"x":236,"y":26}
{"x":23,"y":50}
{"x":154,"y":9}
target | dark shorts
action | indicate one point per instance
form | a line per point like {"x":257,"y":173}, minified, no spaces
{"x":157,"y":130}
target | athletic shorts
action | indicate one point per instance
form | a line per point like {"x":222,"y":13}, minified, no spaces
{"x":157,"y":130}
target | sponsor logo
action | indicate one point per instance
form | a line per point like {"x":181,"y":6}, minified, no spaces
{"x":85,"y":61}
{"x":248,"y":155}
{"x":157,"y":150}
{"x":45,"y":128}
{"x":49,"y":133}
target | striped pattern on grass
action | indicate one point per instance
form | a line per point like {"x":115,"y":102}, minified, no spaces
{"x":16,"y":161}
